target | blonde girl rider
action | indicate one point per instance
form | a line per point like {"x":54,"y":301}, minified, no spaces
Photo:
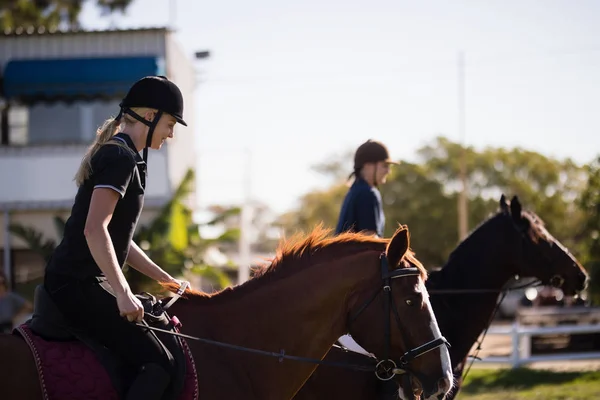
{"x":84,"y":276}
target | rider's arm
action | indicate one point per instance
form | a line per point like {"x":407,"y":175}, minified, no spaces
{"x":138,"y":260}
{"x":102,"y":206}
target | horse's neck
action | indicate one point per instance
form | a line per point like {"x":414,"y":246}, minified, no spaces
{"x":478,"y":263}
{"x":302,"y":314}
{"x":482,"y":261}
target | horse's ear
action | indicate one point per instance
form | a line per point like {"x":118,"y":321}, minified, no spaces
{"x":503,"y":204}
{"x":515,"y":208}
{"x":398,"y":246}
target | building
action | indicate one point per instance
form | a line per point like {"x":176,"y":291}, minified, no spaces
{"x":57,"y":88}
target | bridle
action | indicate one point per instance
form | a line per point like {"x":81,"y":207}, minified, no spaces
{"x":525,"y":242}
{"x":386,"y":367}
{"x":556,"y":280}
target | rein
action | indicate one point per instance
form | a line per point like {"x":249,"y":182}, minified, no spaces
{"x":384,"y":370}
{"x":387,"y":368}
{"x":280,"y":356}
{"x":496,"y":308}
{"x":554,"y":281}
{"x":481,"y":291}
{"x":503,"y":293}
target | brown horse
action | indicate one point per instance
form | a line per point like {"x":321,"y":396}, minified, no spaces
{"x":301,"y":303}
{"x":464,"y":294}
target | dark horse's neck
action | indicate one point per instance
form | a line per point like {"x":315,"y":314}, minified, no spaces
{"x":301,"y":310}
{"x":481,"y":261}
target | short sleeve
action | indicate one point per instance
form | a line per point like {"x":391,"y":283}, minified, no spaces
{"x":112,"y":168}
{"x":366,"y":211}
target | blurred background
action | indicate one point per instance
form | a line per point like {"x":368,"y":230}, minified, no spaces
{"x":475,"y":99}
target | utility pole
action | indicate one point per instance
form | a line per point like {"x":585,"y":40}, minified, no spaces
{"x":463,"y":213}
{"x":172,"y":13}
{"x":245,"y":222}
{"x":8,"y":262}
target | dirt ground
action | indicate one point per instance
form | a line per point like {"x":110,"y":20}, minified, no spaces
{"x":500,"y":345}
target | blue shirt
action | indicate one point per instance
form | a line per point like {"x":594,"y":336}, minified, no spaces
{"x":362,"y":209}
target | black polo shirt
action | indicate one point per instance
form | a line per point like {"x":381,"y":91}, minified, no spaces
{"x":123,"y":171}
{"x":362,"y":210}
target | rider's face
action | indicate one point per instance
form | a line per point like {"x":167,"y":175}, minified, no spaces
{"x":382,"y":170}
{"x":163,"y":131}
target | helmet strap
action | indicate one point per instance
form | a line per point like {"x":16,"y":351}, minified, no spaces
{"x":150,"y":124}
{"x":151,"y":127}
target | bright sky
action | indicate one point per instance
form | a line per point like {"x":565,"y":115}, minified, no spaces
{"x":297,"y":82}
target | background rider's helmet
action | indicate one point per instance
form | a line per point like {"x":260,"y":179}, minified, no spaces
{"x":371,"y":151}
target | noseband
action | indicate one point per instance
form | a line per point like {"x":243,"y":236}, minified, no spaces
{"x":387,"y":368}
{"x":557,"y":280}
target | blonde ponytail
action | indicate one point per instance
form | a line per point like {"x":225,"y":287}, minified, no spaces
{"x":103,"y":135}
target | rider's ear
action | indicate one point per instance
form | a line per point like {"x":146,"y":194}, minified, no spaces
{"x":398,"y":246}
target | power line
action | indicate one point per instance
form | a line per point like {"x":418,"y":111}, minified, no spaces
{"x":423,"y":65}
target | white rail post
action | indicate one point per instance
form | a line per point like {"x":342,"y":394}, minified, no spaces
{"x":514,"y":333}
{"x":525,"y":346}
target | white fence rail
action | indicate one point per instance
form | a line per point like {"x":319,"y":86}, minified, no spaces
{"x":521,"y":343}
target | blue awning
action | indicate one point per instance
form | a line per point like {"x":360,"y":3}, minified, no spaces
{"x":32,"y":80}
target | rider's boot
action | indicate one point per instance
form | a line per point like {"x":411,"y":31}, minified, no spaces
{"x":150,"y":383}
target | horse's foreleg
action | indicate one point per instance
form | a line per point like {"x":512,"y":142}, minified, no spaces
{"x":18,"y":374}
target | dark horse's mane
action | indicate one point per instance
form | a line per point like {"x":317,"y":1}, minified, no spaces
{"x":536,"y":227}
{"x":295,"y":253}
{"x":471,"y":245}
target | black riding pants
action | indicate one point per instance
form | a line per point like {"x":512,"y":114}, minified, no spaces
{"x":88,"y":306}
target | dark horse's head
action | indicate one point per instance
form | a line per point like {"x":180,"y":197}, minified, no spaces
{"x":541,"y":255}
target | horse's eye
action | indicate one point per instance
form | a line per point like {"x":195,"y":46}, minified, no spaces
{"x":408,"y":302}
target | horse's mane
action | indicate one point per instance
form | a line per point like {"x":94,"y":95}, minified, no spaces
{"x":536,"y":230}
{"x":297,"y":251}
{"x":537,"y":227}
{"x":300,"y":247}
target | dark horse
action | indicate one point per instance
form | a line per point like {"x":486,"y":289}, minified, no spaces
{"x":512,"y":242}
{"x":316,"y":289}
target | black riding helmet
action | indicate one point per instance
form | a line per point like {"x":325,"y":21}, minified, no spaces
{"x":155,"y":92}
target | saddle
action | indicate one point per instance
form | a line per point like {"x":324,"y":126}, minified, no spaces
{"x":49,"y":324}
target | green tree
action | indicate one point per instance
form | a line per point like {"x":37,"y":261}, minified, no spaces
{"x":172,"y":240}
{"x":590,"y":235}
{"x":50,"y":14}
{"x":424,"y":195}
{"x":35,"y":240}
{"x":316,"y":207}
{"x":415,"y":198}
{"x":545,"y":185}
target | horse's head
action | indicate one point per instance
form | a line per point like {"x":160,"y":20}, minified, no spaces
{"x":404,"y":337}
{"x":540,"y":255}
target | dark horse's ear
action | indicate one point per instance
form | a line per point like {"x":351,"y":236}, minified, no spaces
{"x":515,"y":208}
{"x":503,"y":204}
{"x":398,"y":246}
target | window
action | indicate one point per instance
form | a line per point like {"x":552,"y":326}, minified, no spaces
{"x":18,"y":125}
